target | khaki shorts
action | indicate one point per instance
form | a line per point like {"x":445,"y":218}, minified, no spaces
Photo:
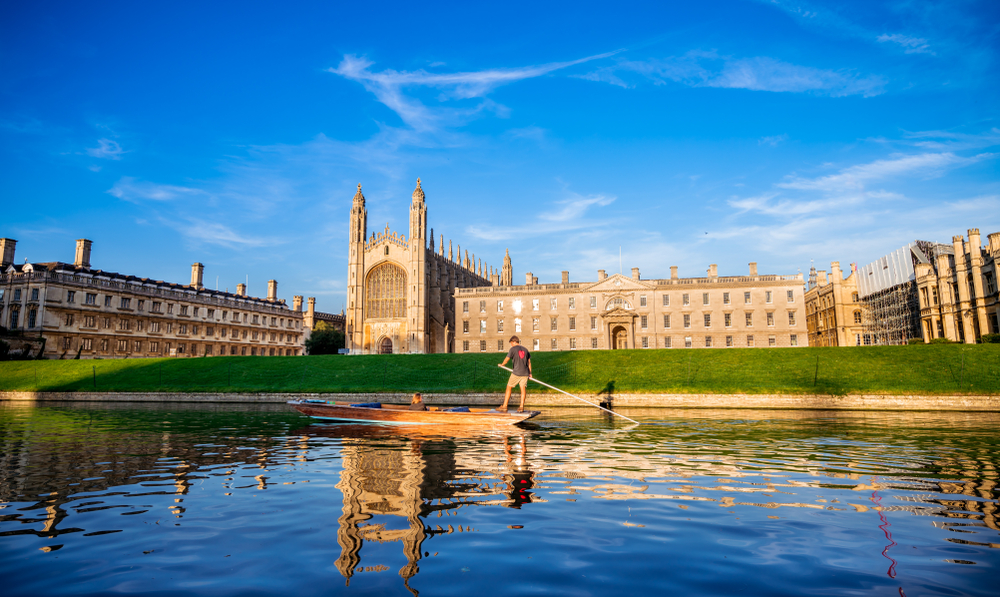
{"x":518,"y":380}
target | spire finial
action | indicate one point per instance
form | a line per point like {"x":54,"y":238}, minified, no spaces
{"x":358,"y":196}
{"x":418,"y":193}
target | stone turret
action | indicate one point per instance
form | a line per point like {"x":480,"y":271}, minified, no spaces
{"x":507,"y":273}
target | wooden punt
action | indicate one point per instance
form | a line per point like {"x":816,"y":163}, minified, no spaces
{"x":400,"y":414}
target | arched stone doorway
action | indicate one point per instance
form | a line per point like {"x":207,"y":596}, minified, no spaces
{"x":385,"y":346}
{"x":619,"y":337}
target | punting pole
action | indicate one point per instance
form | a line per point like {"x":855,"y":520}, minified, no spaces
{"x":572,"y":396}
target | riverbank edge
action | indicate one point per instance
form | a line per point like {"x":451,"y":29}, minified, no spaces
{"x":976,"y":403}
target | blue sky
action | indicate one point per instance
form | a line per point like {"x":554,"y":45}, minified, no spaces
{"x":686,"y":133}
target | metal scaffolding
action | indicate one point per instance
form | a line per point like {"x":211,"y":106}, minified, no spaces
{"x":892,"y":316}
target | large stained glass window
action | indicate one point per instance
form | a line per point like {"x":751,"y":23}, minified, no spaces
{"x":385,"y":292}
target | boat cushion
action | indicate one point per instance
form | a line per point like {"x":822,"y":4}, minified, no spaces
{"x":369,"y":405}
{"x":457,"y":409}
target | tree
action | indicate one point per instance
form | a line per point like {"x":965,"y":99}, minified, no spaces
{"x":325,"y":339}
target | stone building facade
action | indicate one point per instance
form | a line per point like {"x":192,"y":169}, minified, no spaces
{"x":399,"y":287}
{"x":617,"y":312}
{"x":405,"y":295}
{"x":833,"y":308}
{"x":91,"y":313}
{"x":957,"y":288}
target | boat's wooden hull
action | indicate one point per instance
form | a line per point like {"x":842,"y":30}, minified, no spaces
{"x":398,"y":414}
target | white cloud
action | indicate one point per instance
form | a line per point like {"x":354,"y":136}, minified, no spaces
{"x":388,"y":86}
{"x":566,"y":215}
{"x":108,"y":149}
{"x":854,"y":178}
{"x":215,"y":233}
{"x":708,"y":69}
{"x":911,"y":45}
{"x":130,"y":189}
{"x":772,"y":141}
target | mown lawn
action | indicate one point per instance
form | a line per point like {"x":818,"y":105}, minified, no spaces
{"x":933,"y":369}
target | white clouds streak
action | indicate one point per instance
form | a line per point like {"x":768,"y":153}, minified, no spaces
{"x":910,"y":45}
{"x":108,"y":149}
{"x":388,"y":86}
{"x":568,"y":214}
{"x":708,"y":69}
{"x":134,"y":191}
{"x":854,"y":178}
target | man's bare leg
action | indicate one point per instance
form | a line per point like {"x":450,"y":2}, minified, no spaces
{"x":506,"y":399}
{"x":524,"y":393}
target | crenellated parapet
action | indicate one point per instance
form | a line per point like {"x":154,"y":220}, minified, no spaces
{"x":386,"y":236}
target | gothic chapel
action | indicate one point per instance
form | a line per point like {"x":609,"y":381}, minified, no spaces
{"x":400,"y":290}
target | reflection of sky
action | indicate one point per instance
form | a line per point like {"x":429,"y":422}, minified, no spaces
{"x":760,"y":500}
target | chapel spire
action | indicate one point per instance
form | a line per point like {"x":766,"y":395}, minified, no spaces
{"x":507,"y":274}
{"x":418,"y":216}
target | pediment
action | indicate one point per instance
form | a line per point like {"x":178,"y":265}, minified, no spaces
{"x":616,"y":283}
{"x":617,"y":312}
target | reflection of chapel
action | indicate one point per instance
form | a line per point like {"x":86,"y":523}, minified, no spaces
{"x":399,"y":293}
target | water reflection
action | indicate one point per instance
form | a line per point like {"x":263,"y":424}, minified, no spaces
{"x":889,"y":497}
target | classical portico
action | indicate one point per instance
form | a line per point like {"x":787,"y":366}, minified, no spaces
{"x":619,"y":296}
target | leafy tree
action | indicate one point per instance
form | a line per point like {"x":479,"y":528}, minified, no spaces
{"x":325,"y":339}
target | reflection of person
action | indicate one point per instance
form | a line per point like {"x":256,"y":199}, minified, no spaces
{"x":522,"y":371}
{"x":417,"y":403}
{"x":520,"y":479}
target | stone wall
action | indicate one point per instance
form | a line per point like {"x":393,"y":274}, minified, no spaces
{"x":977,"y":403}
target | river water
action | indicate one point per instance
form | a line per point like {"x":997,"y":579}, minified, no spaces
{"x":237,"y":500}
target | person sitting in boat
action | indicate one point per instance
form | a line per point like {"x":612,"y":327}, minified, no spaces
{"x":418,"y":402}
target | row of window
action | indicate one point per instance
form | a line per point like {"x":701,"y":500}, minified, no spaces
{"x":185,"y":310}
{"x":685,"y":300}
{"x":153,"y":347}
{"x":727,"y":320}
{"x":155,"y":327}
{"x":688,"y":342}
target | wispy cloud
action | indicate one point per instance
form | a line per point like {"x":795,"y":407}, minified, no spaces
{"x":951,"y":140}
{"x":854,"y":212}
{"x":216,"y":233}
{"x":854,"y":178}
{"x":130,"y":189}
{"x":563,"y":216}
{"x":108,"y":149}
{"x":772,"y":141}
{"x":910,"y":45}
{"x":388,"y":87}
{"x":709,"y":69}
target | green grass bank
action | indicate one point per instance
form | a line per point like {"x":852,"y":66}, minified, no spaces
{"x":927,"y":370}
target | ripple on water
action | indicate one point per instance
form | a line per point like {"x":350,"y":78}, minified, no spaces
{"x":261,"y":500}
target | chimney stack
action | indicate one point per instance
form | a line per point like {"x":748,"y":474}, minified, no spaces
{"x":821,"y":275}
{"x":753,"y":268}
{"x":673,"y":272}
{"x":297,"y":303}
{"x":82,"y":258}
{"x":635,"y":273}
{"x":528,"y":278}
{"x":565,"y":277}
{"x":713,"y":271}
{"x":601,"y":275}
{"x":197,"y":273}
{"x":272,"y":290}
{"x":311,"y":309}
{"x":835,"y":273}
{"x":241,"y":290}
{"x":7,"y":249}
